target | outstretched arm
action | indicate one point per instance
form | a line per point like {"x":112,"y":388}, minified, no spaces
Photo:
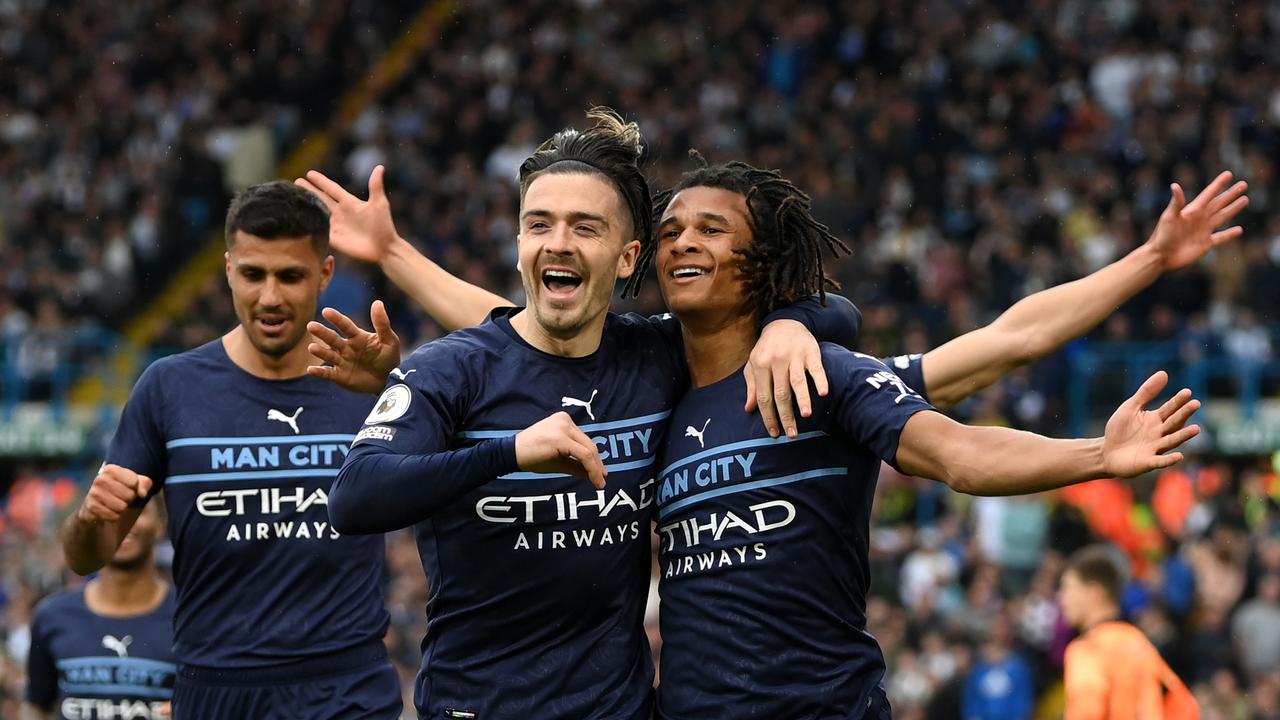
{"x":1002,"y":461}
{"x":364,"y":230}
{"x":1041,"y":323}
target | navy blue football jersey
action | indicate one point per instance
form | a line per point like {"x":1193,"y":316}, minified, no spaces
{"x":911,"y":369}
{"x":246,"y":465}
{"x":84,"y":666}
{"x":538,"y":581}
{"x":764,"y":544}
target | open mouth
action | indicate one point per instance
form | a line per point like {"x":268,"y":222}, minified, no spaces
{"x":561,"y":282}
{"x":272,"y":323}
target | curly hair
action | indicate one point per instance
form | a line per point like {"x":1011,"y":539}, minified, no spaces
{"x":783,"y":262}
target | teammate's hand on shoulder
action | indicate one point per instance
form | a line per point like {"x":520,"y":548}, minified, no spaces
{"x":113,"y":490}
{"x":355,"y":358}
{"x":776,"y":375}
{"x":557,"y":445}
{"x":1137,"y":439}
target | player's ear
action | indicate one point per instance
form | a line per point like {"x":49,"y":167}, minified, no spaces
{"x":326,"y":271}
{"x":627,"y":260}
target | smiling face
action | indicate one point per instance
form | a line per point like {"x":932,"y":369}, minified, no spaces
{"x":575,"y":244}
{"x":698,"y":272}
{"x":276,"y":286}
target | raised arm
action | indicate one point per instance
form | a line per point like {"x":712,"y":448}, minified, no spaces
{"x":1002,"y":461}
{"x":92,"y":535}
{"x":1041,"y":323}
{"x":364,"y":230}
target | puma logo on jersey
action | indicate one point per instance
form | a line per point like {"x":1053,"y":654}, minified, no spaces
{"x":402,"y":375}
{"x":290,"y":420}
{"x":120,"y":647}
{"x":689,"y":431}
{"x":567,"y":401}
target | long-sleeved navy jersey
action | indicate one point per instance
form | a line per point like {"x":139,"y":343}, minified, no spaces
{"x":538,"y":581}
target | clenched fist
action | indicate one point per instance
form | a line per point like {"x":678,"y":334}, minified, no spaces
{"x":113,"y":491}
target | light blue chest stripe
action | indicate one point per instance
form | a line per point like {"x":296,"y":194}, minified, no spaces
{"x":619,"y":467}
{"x":250,"y":475}
{"x":612,"y":425}
{"x":731,"y":447}
{"x":92,"y":661}
{"x":755,"y":485}
{"x":111,"y":689}
{"x":207,"y":441}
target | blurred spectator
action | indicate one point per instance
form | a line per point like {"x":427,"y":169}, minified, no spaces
{"x":928,"y":574}
{"x":1000,"y":686}
{"x":1256,"y":628}
{"x":123,"y":129}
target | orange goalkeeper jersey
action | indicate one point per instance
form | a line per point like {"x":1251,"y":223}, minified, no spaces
{"x":1114,"y":673}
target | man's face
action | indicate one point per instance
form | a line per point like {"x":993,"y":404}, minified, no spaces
{"x":276,"y":285}
{"x":1075,"y":598}
{"x":575,"y":244}
{"x":698,"y":272}
{"x":136,"y":547}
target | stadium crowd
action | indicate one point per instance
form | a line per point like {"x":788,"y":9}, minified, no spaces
{"x":972,"y":153}
{"x":123,"y":130}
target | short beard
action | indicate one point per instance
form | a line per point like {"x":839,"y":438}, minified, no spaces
{"x":134,"y":563}
{"x":273,"y":352}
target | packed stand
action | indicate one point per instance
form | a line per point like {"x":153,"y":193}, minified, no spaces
{"x":123,"y":128}
{"x":971,"y":155}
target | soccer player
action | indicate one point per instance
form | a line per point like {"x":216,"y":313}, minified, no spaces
{"x":278,"y":615}
{"x":1032,"y":327}
{"x":105,"y":650}
{"x":538,"y":580}
{"x":1112,"y":670}
{"x":764,"y":540}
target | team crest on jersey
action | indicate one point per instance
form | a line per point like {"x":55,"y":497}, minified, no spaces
{"x":393,"y":404}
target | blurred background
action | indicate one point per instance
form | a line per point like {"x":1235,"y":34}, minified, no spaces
{"x":971,"y":151}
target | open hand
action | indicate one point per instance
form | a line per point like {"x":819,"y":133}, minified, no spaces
{"x":1137,"y":439}
{"x":1186,"y":231}
{"x":362,"y":229}
{"x":357,"y":359}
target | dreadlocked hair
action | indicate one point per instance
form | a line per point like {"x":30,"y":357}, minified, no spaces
{"x":612,"y":150}
{"x":783,"y":262}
